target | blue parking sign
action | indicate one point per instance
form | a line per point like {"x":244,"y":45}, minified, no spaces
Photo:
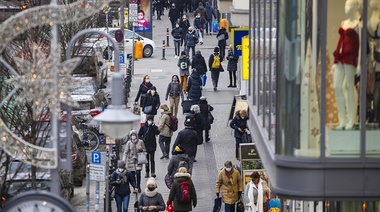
{"x":121,"y":58}
{"x":96,"y":157}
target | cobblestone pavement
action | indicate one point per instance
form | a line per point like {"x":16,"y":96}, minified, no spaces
{"x":210,"y":156}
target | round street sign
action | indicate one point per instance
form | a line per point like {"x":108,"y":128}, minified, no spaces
{"x":119,"y":35}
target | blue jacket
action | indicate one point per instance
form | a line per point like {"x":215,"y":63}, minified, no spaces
{"x":194,"y":87}
{"x":238,"y":122}
{"x":191,"y":38}
{"x":209,"y":12}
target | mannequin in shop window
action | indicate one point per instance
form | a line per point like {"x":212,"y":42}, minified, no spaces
{"x":374,"y":56}
{"x":347,"y":65}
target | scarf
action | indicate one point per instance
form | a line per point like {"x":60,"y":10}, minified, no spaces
{"x":259,"y":207}
{"x":151,"y":193}
{"x":122,"y":174}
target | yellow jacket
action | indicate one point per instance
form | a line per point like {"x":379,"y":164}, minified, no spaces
{"x":229,"y":185}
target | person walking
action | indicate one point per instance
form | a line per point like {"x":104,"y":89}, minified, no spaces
{"x":151,"y":102}
{"x":187,"y":140}
{"x":199,"y":23}
{"x":151,"y":199}
{"x":178,"y":158}
{"x":230,"y":184}
{"x":205,"y":111}
{"x":174,"y":15}
{"x":210,"y":13}
{"x":200,"y":10}
{"x":184,"y":24}
{"x":143,"y":90}
{"x":239,"y":124}
{"x":132,"y":147}
{"x":177,"y":34}
{"x":148,"y":133}
{"x":191,"y":41}
{"x":194,"y":87}
{"x":182,"y":177}
{"x":199,"y":64}
{"x":121,"y":178}
{"x":160,"y":8}
{"x":215,"y":66}
{"x":222,"y":37}
{"x":195,"y":114}
{"x":255,"y":193}
{"x":232,"y":67}
{"x":165,"y":132}
{"x":174,"y":92}
{"x":183,"y":64}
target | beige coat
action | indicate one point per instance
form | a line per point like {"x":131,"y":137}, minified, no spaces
{"x":130,"y":154}
{"x":163,"y":125}
{"x":229,"y":185}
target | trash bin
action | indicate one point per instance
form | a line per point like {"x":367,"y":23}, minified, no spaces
{"x":138,"y":51}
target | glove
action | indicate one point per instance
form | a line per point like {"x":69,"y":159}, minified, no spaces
{"x":135,"y":190}
{"x":217,"y":195}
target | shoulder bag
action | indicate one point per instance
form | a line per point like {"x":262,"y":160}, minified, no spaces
{"x":142,"y":158}
{"x":148,"y":109}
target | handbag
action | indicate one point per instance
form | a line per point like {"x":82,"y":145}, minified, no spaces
{"x":221,"y":37}
{"x":148,"y":109}
{"x":168,"y":180}
{"x":169,"y":207}
{"x":141,"y":158}
{"x":217,"y":204}
{"x":210,"y":118}
{"x":112,"y":192}
{"x":239,"y":206}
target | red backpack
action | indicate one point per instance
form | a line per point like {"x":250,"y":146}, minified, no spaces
{"x":183,"y":193}
{"x":173,"y":123}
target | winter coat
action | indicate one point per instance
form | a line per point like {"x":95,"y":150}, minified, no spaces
{"x":160,"y":4}
{"x":148,"y":135}
{"x":174,"y":163}
{"x":184,"y":25}
{"x":130,"y":154}
{"x":122,"y":189}
{"x":205,"y":110}
{"x":194,"y":87}
{"x":164,"y":123}
{"x":183,"y":72}
{"x":201,"y":10}
{"x":229,"y":185}
{"x":179,"y":206}
{"x":238,"y":122}
{"x":143,"y":89}
{"x":174,"y":90}
{"x":199,"y":64}
{"x":200,"y":123}
{"x":152,"y":100}
{"x":232,"y":61}
{"x":223,"y":41}
{"x":174,"y":14}
{"x":211,"y":60}
{"x":177,"y":33}
{"x":187,"y":138}
{"x":191,"y":38}
{"x":199,"y":23}
{"x":156,"y":200}
{"x":259,"y":195}
{"x":209,"y":12}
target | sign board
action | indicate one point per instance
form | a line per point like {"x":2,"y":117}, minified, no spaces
{"x":96,"y":157}
{"x":119,"y":35}
{"x":237,"y":35}
{"x":97,"y":172}
{"x":121,"y":58}
{"x":123,"y":68}
{"x":245,"y":58}
{"x":248,"y":151}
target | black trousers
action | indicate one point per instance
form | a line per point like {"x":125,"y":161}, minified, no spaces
{"x":232,"y":75}
{"x":151,"y":165}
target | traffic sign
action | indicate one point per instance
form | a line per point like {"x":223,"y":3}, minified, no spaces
{"x":96,"y":157}
{"x":119,"y":35}
{"x":121,"y":58}
{"x":97,"y":172}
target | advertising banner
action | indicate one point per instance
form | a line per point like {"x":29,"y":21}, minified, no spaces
{"x":245,"y":58}
{"x":237,"y":35}
{"x":140,"y":16}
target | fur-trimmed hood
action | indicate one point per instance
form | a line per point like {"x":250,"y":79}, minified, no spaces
{"x":179,"y":174}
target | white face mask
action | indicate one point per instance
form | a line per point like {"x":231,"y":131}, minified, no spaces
{"x":228,"y":169}
{"x":153,"y":92}
{"x":162,"y":110}
{"x":121,"y":169}
{"x":147,"y":80}
{"x":197,"y":16}
{"x":133,"y":137}
{"x":177,"y":25}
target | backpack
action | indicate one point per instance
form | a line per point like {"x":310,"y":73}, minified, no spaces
{"x":216,"y":62}
{"x":173,"y":123}
{"x":183,"y":63}
{"x":183,"y":193}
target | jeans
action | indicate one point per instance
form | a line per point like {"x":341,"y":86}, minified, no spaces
{"x":177,"y":45}
{"x":122,"y":202}
{"x":209,"y":26}
{"x":174,"y":102}
{"x":238,"y":142}
{"x":164,"y":144}
{"x":192,"y":49}
{"x":137,"y":176}
{"x":191,"y":163}
{"x":229,"y":208}
{"x":151,"y":162}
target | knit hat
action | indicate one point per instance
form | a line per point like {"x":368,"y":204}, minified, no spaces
{"x":151,"y":181}
{"x":188,"y":122}
{"x":203,"y":98}
{"x":121,"y":164}
{"x":184,"y":16}
{"x":216,"y":49}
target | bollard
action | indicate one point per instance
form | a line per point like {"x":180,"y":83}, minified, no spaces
{"x":167,"y":36}
{"x":163,"y":50}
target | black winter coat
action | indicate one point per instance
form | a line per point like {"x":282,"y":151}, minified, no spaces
{"x":174,"y":163}
{"x":122,"y":188}
{"x":194,"y":87}
{"x":177,"y":33}
{"x":232,"y":61}
{"x":199,"y":64}
{"x":174,"y":14}
{"x":184,"y":25}
{"x":148,"y":135}
{"x":143,"y":89}
{"x":223,"y":41}
{"x":199,"y":23}
{"x":152,"y":100}
{"x":205,"y":110}
{"x":188,"y":140}
{"x":238,"y":122}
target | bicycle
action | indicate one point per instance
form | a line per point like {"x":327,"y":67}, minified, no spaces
{"x":89,"y":134}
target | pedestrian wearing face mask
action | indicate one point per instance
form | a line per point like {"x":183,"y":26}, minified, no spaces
{"x":148,"y":133}
{"x":239,"y":124}
{"x":151,"y":200}
{"x":132,"y":147}
{"x":121,"y":178}
{"x":255,"y":193}
{"x":230,"y":184}
{"x":177,"y":34}
{"x":199,"y":23}
{"x":184,"y":24}
{"x":174,"y":14}
{"x":165,"y":132}
{"x":152,"y":101}
{"x":191,"y":41}
{"x":174,"y":92}
{"x":145,"y":86}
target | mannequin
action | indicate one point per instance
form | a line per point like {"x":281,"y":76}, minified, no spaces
{"x":347,"y":64}
{"x":374,"y":57}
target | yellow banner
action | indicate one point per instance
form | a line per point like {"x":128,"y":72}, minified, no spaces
{"x":245,"y":57}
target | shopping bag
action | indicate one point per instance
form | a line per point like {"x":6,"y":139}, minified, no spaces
{"x":204,"y":79}
{"x":274,"y":205}
{"x":141,"y":158}
{"x":168,"y":180}
{"x":217,"y":204}
{"x":142,"y":118}
{"x":136,"y":108}
{"x":239,"y":206}
{"x":169,"y":207}
{"x":148,"y":109}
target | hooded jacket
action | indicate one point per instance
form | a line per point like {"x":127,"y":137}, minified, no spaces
{"x":194,"y":87}
{"x":179,"y":206}
{"x":191,"y":38}
{"x":199,"y":64}
{"x":148,"y":133}
{"x":130,"y":153}
{"x":174,"y":163}
{"x":187,"y":139}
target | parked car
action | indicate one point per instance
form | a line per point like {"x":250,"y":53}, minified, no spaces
{"x":84,"y":94}
{"x":148,"y":45}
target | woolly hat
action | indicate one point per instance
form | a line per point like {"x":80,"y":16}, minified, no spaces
{"x":151,"y":181}
{"x":184,"y":16}
{"x":216,"y":49}
{"x":203,"y":98}
{"x":188,"y":122}
{"x":121,"y":164}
